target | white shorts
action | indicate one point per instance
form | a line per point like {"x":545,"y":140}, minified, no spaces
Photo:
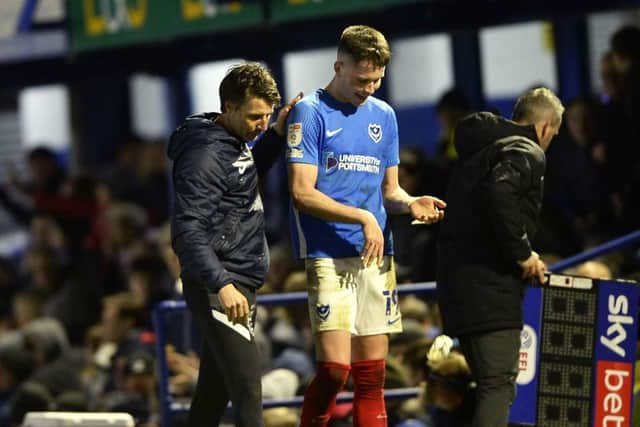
{"x":346,"y":296}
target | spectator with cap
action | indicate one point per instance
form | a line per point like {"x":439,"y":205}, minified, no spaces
{"x":135,"y":390}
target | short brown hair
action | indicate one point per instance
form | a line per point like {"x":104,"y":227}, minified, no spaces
{"x":245,"y":81}
{"x":536,"y":104}
{"x":364,"y":43}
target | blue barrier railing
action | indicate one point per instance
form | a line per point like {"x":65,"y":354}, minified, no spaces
{"x":169,"y":406}
{"x":613,"y":245}
{"x":295,"y":402}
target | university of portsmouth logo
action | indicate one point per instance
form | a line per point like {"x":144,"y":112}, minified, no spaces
{"x":375,"y":132}
{"x":330,"y":161}
{"x":323,"y":311}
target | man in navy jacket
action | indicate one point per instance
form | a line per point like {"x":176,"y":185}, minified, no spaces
{"x":218,"y":233}
{"x":484,"y":249}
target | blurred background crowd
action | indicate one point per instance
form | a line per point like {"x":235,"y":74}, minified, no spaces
{"x":85,"y":248}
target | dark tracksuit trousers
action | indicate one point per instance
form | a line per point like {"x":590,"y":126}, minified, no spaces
{"x":229,"y":364}
{"x":493,"y":358}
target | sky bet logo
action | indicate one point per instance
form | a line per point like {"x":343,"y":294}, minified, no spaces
{"x":618,"y":317}
{"x":613,"y":394}
{"x":615,"y":354}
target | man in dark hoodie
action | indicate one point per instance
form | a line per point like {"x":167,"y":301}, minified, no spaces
{"x":484,"y":250}
{"x":218,"y":234}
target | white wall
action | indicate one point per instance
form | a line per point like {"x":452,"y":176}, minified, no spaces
{"x":148,"y":99}
{"x":308,"y":70}
{"x":44,"y":115}
{"x":204,"y":80}
{"x":516,"y":57}
{"x":421,"y":69}
{"x":9,"y":15}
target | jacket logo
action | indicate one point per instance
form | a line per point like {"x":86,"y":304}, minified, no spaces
{"x":244,"y":161}
{"x":375,"y":132}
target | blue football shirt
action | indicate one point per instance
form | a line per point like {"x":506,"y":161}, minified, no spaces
{"x":352,"y":148}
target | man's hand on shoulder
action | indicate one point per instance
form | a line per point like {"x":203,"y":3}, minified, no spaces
{"x":280,"y":124}
{"x":234,"y":303}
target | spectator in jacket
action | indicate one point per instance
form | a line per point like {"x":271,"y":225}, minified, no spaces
{"x":485,"y":255}
{"x":218,"y":234}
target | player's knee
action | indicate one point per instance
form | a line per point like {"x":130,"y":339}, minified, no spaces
{"x":334,"y":375}
{"x":369,"y":374}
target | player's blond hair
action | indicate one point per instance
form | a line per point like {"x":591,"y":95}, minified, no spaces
{"x":364,"y":43}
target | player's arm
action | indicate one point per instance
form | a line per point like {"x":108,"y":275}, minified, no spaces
{"x":306,"y":198}
{"x":396,"y":200}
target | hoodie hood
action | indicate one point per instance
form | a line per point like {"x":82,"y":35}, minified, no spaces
{"x":198,"y":129}
{"x":478,"y":130}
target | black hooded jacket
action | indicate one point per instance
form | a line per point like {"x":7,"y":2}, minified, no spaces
{"x":493,"y":203}
{"x":217,"y":223}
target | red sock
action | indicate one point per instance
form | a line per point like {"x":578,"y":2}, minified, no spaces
{"x":320,"y":397}
{"x":368,"y":400}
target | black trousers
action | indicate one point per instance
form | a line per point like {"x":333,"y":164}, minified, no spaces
{"x":229,"y":363}
{"x":493,"y":358}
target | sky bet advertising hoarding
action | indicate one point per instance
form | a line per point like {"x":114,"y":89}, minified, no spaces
{"x":615,"y":353}
{"x":576,"y":365}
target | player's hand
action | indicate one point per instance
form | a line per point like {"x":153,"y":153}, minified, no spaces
{"x":427,"y":209}
{"x":533,"y":267}
{"x":373,"y":249}
{"x":280,"y":124}
{"x":234,"y":303}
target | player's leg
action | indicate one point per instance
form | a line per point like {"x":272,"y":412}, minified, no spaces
{"x":331,"y":310}
{"x":377,"y":316}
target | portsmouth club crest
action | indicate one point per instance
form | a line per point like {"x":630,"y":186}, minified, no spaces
{"x":330,"y":161}
{"x":323,"y":311}
{"x":375,"y":132}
